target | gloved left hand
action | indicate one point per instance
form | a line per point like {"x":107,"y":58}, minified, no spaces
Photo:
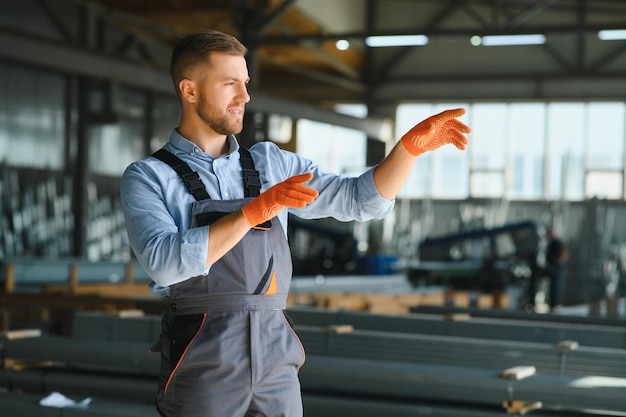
{"x":289,"y":193}
{"x":436,"y":131}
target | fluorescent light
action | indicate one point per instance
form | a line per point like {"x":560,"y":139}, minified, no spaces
{"x":612,"y":35}
{"x":508,"y":40}
{"x":397,"y":40}
{"x":476,"y":40}
{"x":342,"y":44}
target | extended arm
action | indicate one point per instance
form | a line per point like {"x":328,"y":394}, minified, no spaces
{"x":428,"y":135}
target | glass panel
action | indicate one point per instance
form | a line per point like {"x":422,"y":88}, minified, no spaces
{"x":407,"y":115}
{"x":349,"y":149}
{"x":166,"y":115}
{"x":114,"y":147}
{"x":334,"y":149}
{"x":605,"y":136}
{"x":356,"y":110}
{"x":450,"y":173}
{"x":418,"y":183}
{"x":527,"y":133}
{"x":604,"y":185}
{"x":280,"y":128}
{"x":487,"y":184}
{"x":489,"y":135}
{"x":32,"y":121}
{"x":314,"y":142}
{"x":566,"y":132}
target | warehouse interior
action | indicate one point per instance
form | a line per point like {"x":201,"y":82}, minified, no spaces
{"x":442,"y":308}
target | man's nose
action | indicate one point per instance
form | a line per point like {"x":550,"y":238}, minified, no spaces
{"x":243,"y":96}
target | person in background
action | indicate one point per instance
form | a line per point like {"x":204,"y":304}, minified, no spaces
{"x":556,"y":257}
{"x":207,"y":220}
{"x":556,"y":254}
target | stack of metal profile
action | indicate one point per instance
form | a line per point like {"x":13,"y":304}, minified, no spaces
{"x":392,"y":370}
{"x":33,"y":275}
{"x":428,"y":358}
{"x":427,"y":368}
{"x":37,"y":217}
{"x":106,"y":358}
{"x":538,"y":328}
{"x":27,"y":405}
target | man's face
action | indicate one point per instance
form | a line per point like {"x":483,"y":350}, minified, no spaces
{"x":222,"y":93}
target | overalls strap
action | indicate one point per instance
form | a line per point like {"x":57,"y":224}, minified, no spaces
{"x":251,"y":179}
{"x":190,"y":177}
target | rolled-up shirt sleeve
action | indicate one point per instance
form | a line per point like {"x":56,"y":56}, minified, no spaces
{"x":167,"y":253}
{"x":345,"y":198}
{"x":157,"y":206}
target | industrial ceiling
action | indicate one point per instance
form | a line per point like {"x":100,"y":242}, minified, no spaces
{"x":293,"y":45}
{"x":293,"y":53}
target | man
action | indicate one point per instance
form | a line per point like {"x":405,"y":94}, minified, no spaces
{"x":218,"y":249}
{"x":556,"y":256}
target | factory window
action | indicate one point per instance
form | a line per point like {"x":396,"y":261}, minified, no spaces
{"x":524,"y":151}
{"x":442,"y":174}
{"x":31,"y":117}
{"x":125,"y":138}
{"x":526,"y":126}
{"x":333,"y":148}
{"x":122,"y":139}
{"x":165,"y":115}
{"x":602,"y":184}
{"x":489,"y":122}
{"x":605,"y":136}
{"x":605,"y":151}
{"x":566,"y":126}
{"x":488,"y":156}
{"x":487,"y":185}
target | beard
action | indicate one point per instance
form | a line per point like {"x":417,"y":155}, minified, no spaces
{"x":219,"y":122}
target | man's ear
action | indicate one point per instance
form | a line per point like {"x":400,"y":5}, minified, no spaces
{"x":187,"y":89}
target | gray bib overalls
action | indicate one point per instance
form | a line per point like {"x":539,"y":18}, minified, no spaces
{"x":227,"y":348}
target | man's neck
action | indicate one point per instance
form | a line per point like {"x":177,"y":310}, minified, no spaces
{"x":210,"y":142}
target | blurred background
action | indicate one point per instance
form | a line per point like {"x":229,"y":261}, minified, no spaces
{"x":85,"y":91}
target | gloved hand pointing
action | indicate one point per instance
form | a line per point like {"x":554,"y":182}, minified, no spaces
{"x":289,"y":193}
{"x":436,"y":131}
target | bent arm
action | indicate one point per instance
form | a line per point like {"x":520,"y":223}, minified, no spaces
{"x":224,"y":234}
{"x":169,"y":252}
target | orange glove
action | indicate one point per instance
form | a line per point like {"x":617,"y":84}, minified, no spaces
{"x":289,"y":193}
{"x":436,"y":131}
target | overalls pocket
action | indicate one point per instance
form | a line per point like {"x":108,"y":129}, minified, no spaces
{"x":290,"y":325}
{"x":176,"y":340}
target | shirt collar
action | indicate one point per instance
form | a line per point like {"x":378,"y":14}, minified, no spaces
{"x":188,"y":147}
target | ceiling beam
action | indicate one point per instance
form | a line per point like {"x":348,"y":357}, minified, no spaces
{"x":274,"y":17}
{"x":55,"y":18}
{"x":468,"y":78}
{"x":402,"y":53}
{"x":337,"y":81}
{"x":607,"y":58}
{"x":530,"y":12}
{"x":62,"y":58}
{"x":461,"y":32}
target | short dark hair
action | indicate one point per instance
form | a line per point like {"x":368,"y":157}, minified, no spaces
{"x":195,"y":48}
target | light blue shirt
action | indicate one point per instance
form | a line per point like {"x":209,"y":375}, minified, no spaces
{"x":157,"y":205}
